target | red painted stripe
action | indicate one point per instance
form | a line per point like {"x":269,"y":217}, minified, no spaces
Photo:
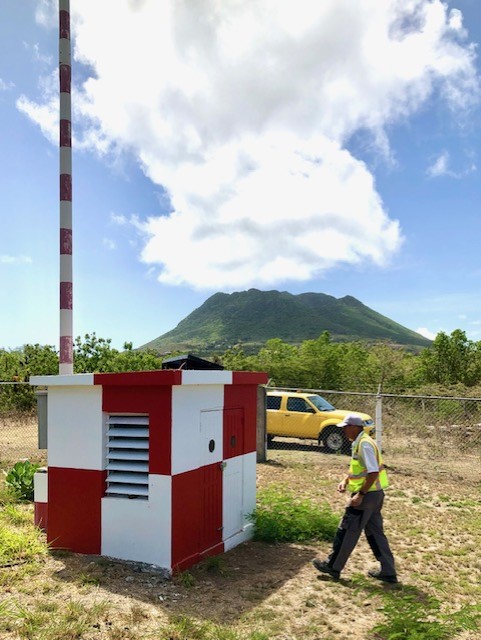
{"x":66,"y":295}
{"x":65,"y":133}
{"x":64,"y":24}
{"x":187,"y":517}
{"x":160,"y":432}
{"x":213,"y":551}
{"x":74,"y":509}
{"x":249,"y":377}
{"x":156,"y":401}
{"x":66,"y":242}
{"x":40,"y":515}
{"x":65,"y":76}
{"x":233,"y":433}
{"x":192,"y":560}
{"x":185,"y":563}
{"x":138,"y":379}
{"x":196,"y":514}
{"x":243,"y":398}
{"x":66,"y":187}
{"x":66,"y":349}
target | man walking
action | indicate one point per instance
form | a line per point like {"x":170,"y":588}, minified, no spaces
{"x":366,"y":481}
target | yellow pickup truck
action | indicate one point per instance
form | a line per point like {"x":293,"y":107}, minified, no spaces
{"x":293,"y":414}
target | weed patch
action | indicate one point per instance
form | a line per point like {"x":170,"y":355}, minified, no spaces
{"x":186,"y":628}
{"x":19,"y":541}
{"x":45,"y":621}
{"x":411,"y":618}
{"x":280,"y":516}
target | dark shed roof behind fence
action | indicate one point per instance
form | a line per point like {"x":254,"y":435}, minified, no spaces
{"x":189,"y":361}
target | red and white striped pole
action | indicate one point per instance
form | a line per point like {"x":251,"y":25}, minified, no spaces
{"x":66,"y":289}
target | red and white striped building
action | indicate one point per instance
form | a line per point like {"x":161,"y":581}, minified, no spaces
{"x":156,"y":467}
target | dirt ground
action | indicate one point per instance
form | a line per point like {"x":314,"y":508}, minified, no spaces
{"x":19,"y":439}
{"x":432,"y":518}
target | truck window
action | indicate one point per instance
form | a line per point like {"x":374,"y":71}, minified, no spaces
{"x":299,"y":404}
{"x":273,"y":402}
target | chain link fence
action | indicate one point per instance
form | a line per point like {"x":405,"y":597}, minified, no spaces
{"x":18,"y":424}
{"x":406,"y":426}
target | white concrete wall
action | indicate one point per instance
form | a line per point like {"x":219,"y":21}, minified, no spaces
{"x":232,"y":492}
{"x":140,"y":530}
{"x":187,"y":438}
{"x":238,"y":499}
{"x":249,"y":485}
{"x":40,"y":486}
{"x":76,"y":379}
{"x":206,"y":377}
{"x":75,"y":427}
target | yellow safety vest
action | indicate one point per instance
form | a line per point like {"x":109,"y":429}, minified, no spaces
{"x":358,"y":472}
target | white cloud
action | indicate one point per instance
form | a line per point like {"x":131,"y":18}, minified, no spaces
{"x":46,"y":13}
{"x":426,"y":333}
{"x":109,"y":244}
{"x":5,"y":86}
{"x":46,"y":113}
{"x":7,"y":259}
{"x":296,"y":210}
{"x":119,"y":219}
{"x":440,"y":167}
{"x":242,"y":112}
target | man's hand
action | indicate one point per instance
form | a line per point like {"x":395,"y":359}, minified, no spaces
{"x":341,"y":487}
{"x":356,"y":500}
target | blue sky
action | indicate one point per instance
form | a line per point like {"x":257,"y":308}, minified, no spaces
{"x":330,"y":149}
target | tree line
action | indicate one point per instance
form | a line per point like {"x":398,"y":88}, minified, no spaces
{"x":451,"y":365}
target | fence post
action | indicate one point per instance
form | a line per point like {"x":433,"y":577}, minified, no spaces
{"x":42,"y":418}
{"x":379,"y":419}
{"x":261,"y":425}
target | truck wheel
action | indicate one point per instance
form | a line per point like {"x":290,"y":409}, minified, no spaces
{"x":334,"y":440}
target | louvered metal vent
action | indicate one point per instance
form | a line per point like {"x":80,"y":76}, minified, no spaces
{"x":128,"y":456}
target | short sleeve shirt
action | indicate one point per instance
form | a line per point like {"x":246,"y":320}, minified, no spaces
{"x":367,"y":454}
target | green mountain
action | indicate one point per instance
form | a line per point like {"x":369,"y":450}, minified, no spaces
{"x":252,"y":317}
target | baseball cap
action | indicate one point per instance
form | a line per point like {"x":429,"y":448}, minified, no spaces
{"x":351,"y":419}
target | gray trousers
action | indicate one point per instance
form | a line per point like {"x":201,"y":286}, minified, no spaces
{"x":366,"y":517}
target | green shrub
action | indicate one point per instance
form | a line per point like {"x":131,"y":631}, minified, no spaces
{"x":280,"y":516}
{"x":20,"y":479}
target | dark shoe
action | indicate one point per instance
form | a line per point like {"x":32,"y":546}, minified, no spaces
{"x":379,"y":576}
{"x":323,"y":567}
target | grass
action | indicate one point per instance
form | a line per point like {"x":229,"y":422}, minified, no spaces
{"x":267,"y":588}
{"x":216,"y":564}
{"x":75,"y":621}
{"x":281,"y":516}
{"x":20,"y":542}
{"x":45,"y":620}
{"x":410,"y":617}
